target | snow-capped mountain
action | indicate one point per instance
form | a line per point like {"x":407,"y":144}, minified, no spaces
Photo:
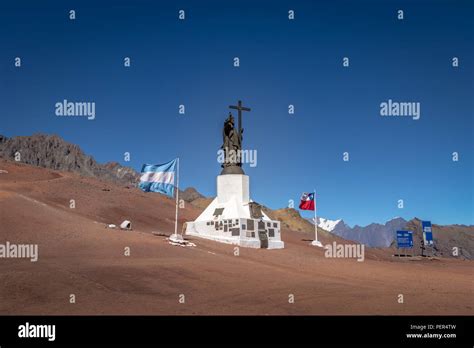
{"x":334,"y":226}
{"x":373,"y":235}
{"x":328,"y":225}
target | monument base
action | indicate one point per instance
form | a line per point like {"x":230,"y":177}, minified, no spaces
{"x":248,"y":233}
{"x":228,"y":219}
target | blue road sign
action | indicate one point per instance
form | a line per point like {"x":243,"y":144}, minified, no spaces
{"x":404,"y":239}
{"x":427,"y":232}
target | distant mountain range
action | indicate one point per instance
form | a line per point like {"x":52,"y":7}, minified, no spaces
{"x":378,"y":235}
{"x":373,"y":235}
{"x":53,"y":152}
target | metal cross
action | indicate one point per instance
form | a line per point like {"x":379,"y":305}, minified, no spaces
{"x":239,"y":108}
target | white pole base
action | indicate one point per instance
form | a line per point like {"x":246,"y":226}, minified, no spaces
{"x":316,"y":243}
{"x":177,"y":238}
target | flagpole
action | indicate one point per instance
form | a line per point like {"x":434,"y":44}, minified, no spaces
{"x":177,"y":201}
{"x":315,"y":218}
{"x":315,"y":242}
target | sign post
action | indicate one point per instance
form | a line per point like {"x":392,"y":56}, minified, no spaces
{"x":428,"y":235}
{"x":404,"y":241}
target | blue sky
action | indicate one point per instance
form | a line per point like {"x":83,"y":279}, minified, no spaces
{"x":282,"y":62}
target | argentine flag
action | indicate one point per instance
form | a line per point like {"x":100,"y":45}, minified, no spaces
{"x":159,"y":178}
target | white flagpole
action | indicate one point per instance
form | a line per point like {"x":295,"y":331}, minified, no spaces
{"x":177,"y":201}
{"x":315,"y":218}
{"x":315,"y":242}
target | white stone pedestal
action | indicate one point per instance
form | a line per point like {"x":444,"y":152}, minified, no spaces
{"x":227,"y":219}
{"x":233,"y":185}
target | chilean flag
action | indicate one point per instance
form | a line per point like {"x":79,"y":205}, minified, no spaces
{"x":307,"y":201}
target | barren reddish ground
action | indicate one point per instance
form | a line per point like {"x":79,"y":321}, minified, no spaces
{"x":78,"y":255}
